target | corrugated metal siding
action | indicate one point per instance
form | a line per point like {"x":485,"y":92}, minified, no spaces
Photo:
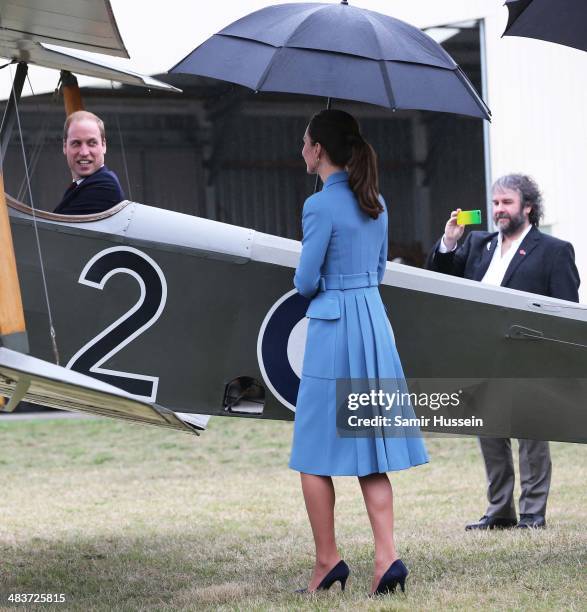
{"x":261,"y":182}
{"x":259,"y":176}
{"x":392,"y":141}
{"x":453,"y":169}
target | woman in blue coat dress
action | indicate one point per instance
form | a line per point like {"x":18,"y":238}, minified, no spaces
{"x":344,"y":252}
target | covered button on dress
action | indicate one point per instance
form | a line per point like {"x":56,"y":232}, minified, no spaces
{"x":343,"y":258}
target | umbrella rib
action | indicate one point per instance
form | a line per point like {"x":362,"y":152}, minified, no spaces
{"x":478,"y":99}
{"x":387,"y":83}
{"x":313,"y":12}
{"x":370,"y":18}
{"x":265,"y":74}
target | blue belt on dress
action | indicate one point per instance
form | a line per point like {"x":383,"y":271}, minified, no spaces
{"x":348,"y":281}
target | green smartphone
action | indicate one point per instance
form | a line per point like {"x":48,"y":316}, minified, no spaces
{"x":469,"y":217}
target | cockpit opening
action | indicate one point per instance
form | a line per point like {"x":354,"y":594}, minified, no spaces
{"x":51,"y":216}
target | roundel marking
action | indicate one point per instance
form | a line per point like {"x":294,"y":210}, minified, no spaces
{"x":280,"y":346}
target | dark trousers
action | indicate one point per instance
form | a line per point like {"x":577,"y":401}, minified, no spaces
{"x":535,"y":473}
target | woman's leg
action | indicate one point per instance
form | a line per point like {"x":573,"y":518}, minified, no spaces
{"x":319,"y":497}
{"x":378,"y":496}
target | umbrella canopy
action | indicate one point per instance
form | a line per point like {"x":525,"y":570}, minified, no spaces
{"x":336,"y":51}
{"x":557,"y":21}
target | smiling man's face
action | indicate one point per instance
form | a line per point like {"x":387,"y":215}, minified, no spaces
{"x":84,"y":148}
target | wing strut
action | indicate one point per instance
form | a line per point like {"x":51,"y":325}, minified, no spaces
{"x":12,"y":324}
{"x":11,"y":108}
{"x":72,"y":97}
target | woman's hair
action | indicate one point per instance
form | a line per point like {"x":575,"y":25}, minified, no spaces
{"x":339,"y":134}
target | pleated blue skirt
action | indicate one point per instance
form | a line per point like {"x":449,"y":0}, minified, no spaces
{"x":358,"y":345}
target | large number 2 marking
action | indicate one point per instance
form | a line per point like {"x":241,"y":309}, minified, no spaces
{"x":141,"y":316}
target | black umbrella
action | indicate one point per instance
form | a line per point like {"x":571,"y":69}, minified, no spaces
{"x":336,"y":51}
{"x":557,"y":21}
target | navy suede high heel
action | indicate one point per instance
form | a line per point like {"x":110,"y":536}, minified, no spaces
{"x":395,"y":574}
{"x":340,"y":572}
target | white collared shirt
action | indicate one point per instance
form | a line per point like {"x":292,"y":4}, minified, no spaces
{"x":499,"y":263}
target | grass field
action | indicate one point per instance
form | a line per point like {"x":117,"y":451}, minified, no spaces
{"x":125,"y":517}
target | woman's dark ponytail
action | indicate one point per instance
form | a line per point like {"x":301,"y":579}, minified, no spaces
{"x":338,"y":132}
{"x":363,"y":177}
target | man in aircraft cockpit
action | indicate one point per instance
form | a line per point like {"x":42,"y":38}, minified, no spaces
{"x":94,"y":188}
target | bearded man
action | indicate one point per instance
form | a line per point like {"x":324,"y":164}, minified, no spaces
{"x":521,"y":257}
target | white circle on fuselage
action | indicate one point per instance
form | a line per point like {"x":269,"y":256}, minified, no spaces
{"x":296,"y":345}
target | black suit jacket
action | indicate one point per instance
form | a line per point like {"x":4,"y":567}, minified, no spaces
{"x":96,"y":193}
{"x":543,"y":264}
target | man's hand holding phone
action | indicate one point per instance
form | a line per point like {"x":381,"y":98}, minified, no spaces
{"x":452,"y":231}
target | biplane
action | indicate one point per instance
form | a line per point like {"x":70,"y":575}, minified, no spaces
{"x":167,"y":318}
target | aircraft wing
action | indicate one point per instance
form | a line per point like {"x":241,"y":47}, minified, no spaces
{"x":26,"y":378}
{"x":66,"y":36}
{"x":81,"y":25}
{"x":80,"y":62}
